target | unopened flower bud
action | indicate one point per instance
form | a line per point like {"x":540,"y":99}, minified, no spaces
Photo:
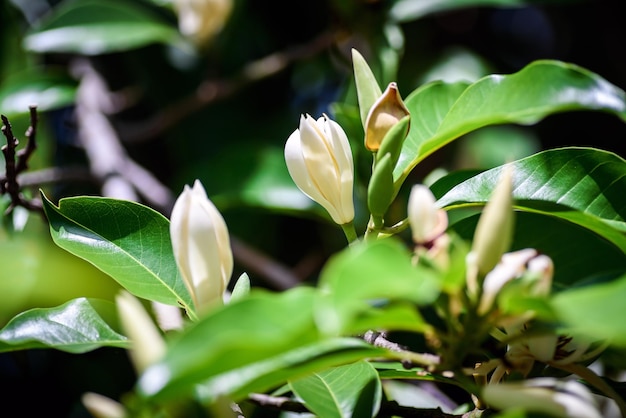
{"x":201,"y":247}
{"x":383,"y":115}
{"x":494,"y":231}
{"x":147,"y":344}
{"x":102,"y":407}
{"x":427,"y":221}
{"x":201,"y":20}
{"x":319,"y":160}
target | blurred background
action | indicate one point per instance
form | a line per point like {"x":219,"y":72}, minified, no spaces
{"x":137,"y":98}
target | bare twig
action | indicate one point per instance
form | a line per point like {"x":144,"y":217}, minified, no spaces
{"x":211,"y":91}
{"x":16,"y":162}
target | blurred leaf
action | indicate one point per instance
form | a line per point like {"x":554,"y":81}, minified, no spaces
{"x":406,"y":10}
{"x":74,"y":327}
{"x":47,"y":90}
{"x":353,"y":390}
{"x":252,"y":344}
{"x":580,"y":185}
{"x":595,"y":311}
{"x":443,"y":112}
{"x":93,"y":27}
{"x":128,"y":241}
{"x":372,"y":273}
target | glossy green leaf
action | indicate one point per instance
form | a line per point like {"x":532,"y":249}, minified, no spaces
{"x":74,"y":327}
{"x":595,"y":311}
{"x":371,"y":273}
{"x":352,"y":390}
{"x":580,"y":185}
{"x":577,"y":252}
{"x":538,"y":90}
{"x":46,"y":90}
{"x":256,"y":328}
{"x":92,"y":27}
{"x":128,"y":241}
{"x":273,"y":372}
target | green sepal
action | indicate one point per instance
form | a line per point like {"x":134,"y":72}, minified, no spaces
{"x":393,"y":140}
{"x":380,"y":190}
{"x":367,"y":88}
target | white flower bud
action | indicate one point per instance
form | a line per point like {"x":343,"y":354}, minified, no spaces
{"x":102,"y":407}
{"x":319,"y":161}
{"x":201,"y":20}
{"x":426,"y":219}
{"x":201,"y":247}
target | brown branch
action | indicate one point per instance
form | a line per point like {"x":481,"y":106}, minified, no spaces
{"x":17,"y":162}
{"x":210,"y":91}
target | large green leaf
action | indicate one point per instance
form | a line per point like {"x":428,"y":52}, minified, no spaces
{"x":128,"y":241}
{"x":442,"y":113}
{"x":583,"y":186}
{"x":256,"y":328}
{"x":352,"y":390}
{"x":92,"y":27}
{"x":371,"y":274}
{"x":273,"y":372}
{"x":595,"y":311}
{"x":75,"y":327}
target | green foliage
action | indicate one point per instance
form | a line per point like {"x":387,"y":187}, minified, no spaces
{"x":382,"y":309}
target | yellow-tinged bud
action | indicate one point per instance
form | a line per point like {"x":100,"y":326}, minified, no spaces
{"x":319,"y":161}
{"x":545,"y":395}
{"x":201,"y":247}
{"x":387,"y":111}
{"x":147,"y":344}
{"x":201,"y":20}
{"x":426,"y":219}
{"x":494,"y":231}
{"x":102,"y":407}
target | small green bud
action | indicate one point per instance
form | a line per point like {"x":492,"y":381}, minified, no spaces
{"x":380,"y":188}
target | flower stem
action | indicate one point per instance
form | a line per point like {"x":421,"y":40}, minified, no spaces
{"x":350,"y":232}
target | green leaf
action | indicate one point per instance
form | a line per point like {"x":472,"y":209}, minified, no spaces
{"x":595,"y":311}
{"x":47,"y":90}
{"x":579,"y":185}
{"x":93,"y":27}
{"x":74,"y":327}
{"x":406,"y":10}
{"x":273,"y":372}
{"x":259,"y":327}
{"x":538,"y":90}
{"x":367,"y":88}
{"x":352,"y":390}
{"x":128,"y":241}
{"x":372,"y":273}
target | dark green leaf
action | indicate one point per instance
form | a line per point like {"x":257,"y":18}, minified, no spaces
{"x":74,"y":327}
{"x":352,"y":390}
{"x":579,"y":185}
{"x":442,"y":113}
{"x":128,"y":241}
